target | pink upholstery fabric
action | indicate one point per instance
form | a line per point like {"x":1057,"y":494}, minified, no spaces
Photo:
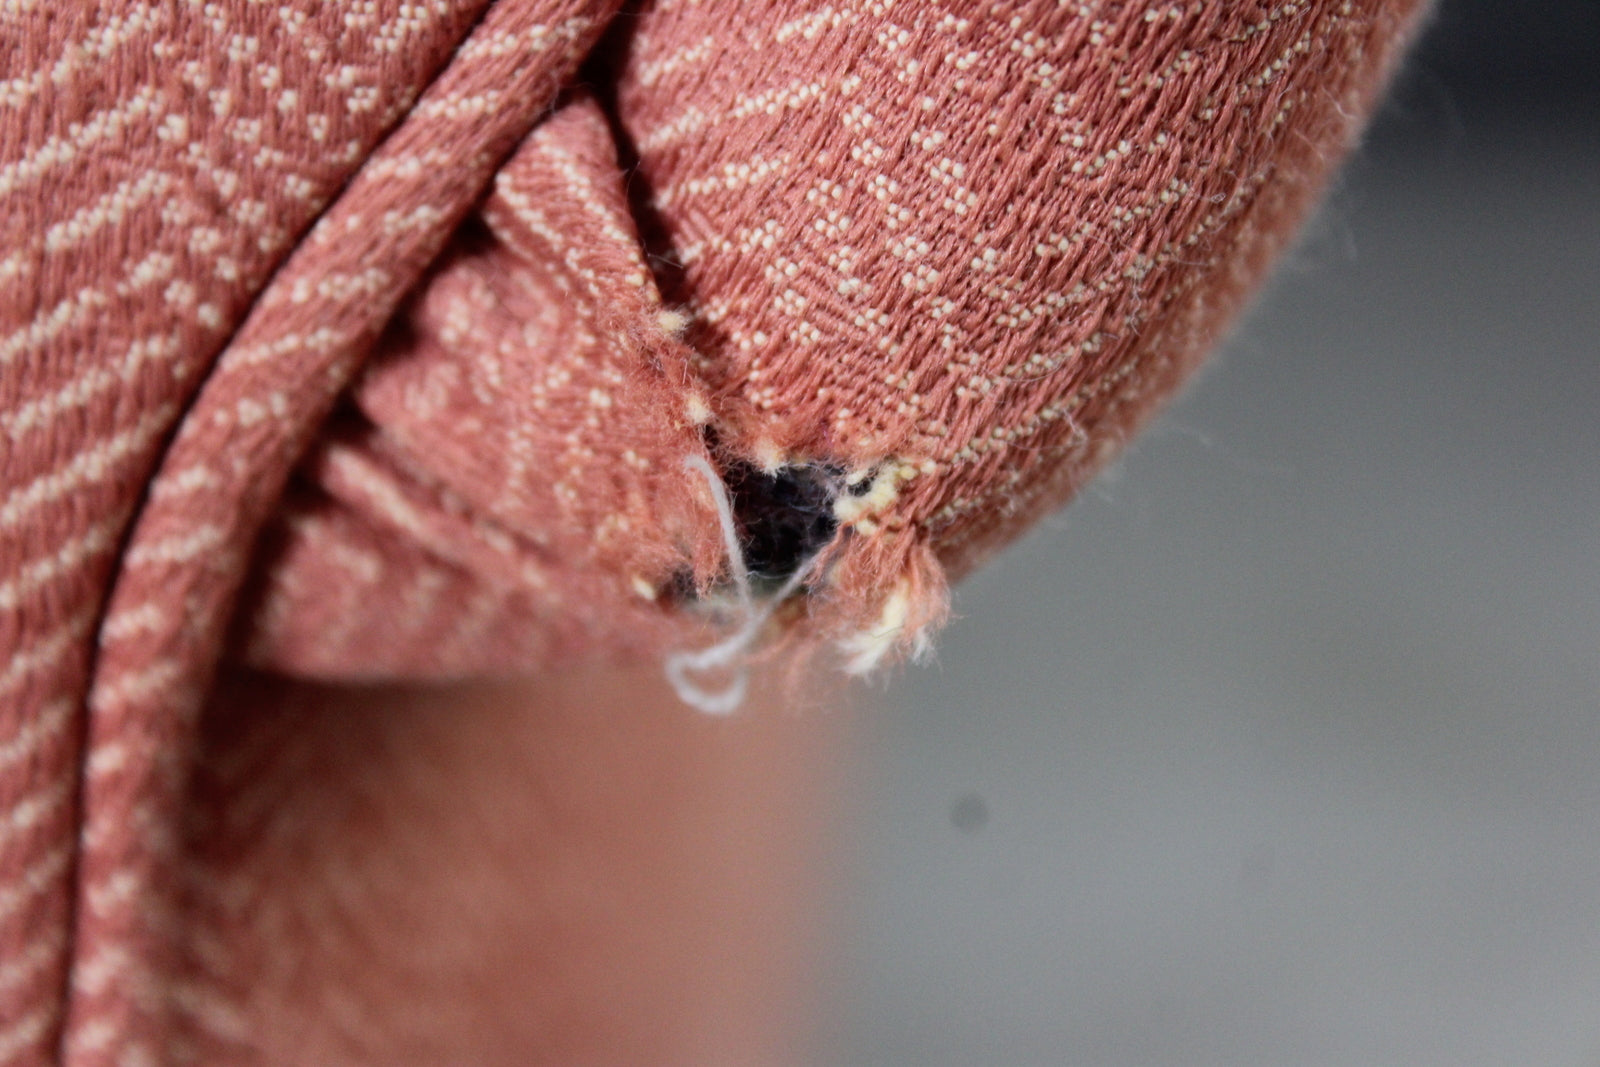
{"x":378,"y":336}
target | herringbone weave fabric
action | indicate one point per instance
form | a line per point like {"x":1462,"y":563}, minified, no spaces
{"x":383,"y":332}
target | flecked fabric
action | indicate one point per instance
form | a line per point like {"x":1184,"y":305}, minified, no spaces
{"x":371,"y":341}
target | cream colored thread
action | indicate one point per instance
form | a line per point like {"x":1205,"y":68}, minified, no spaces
{"x":867,"y":649}
{"x":728,"y":651}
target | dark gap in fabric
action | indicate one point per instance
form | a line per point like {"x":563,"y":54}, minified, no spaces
{"x":785,"y":517}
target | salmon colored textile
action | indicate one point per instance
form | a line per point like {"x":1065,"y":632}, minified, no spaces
{"x":371,"y":341}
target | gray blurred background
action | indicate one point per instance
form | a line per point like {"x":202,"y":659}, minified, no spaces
{"x":1282,"y":744}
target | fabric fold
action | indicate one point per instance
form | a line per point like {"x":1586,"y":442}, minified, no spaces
{"x":524,"y":424}
{"x":371,"y":342}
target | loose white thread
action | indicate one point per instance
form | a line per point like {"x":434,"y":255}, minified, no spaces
{"x":753,"y":616}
